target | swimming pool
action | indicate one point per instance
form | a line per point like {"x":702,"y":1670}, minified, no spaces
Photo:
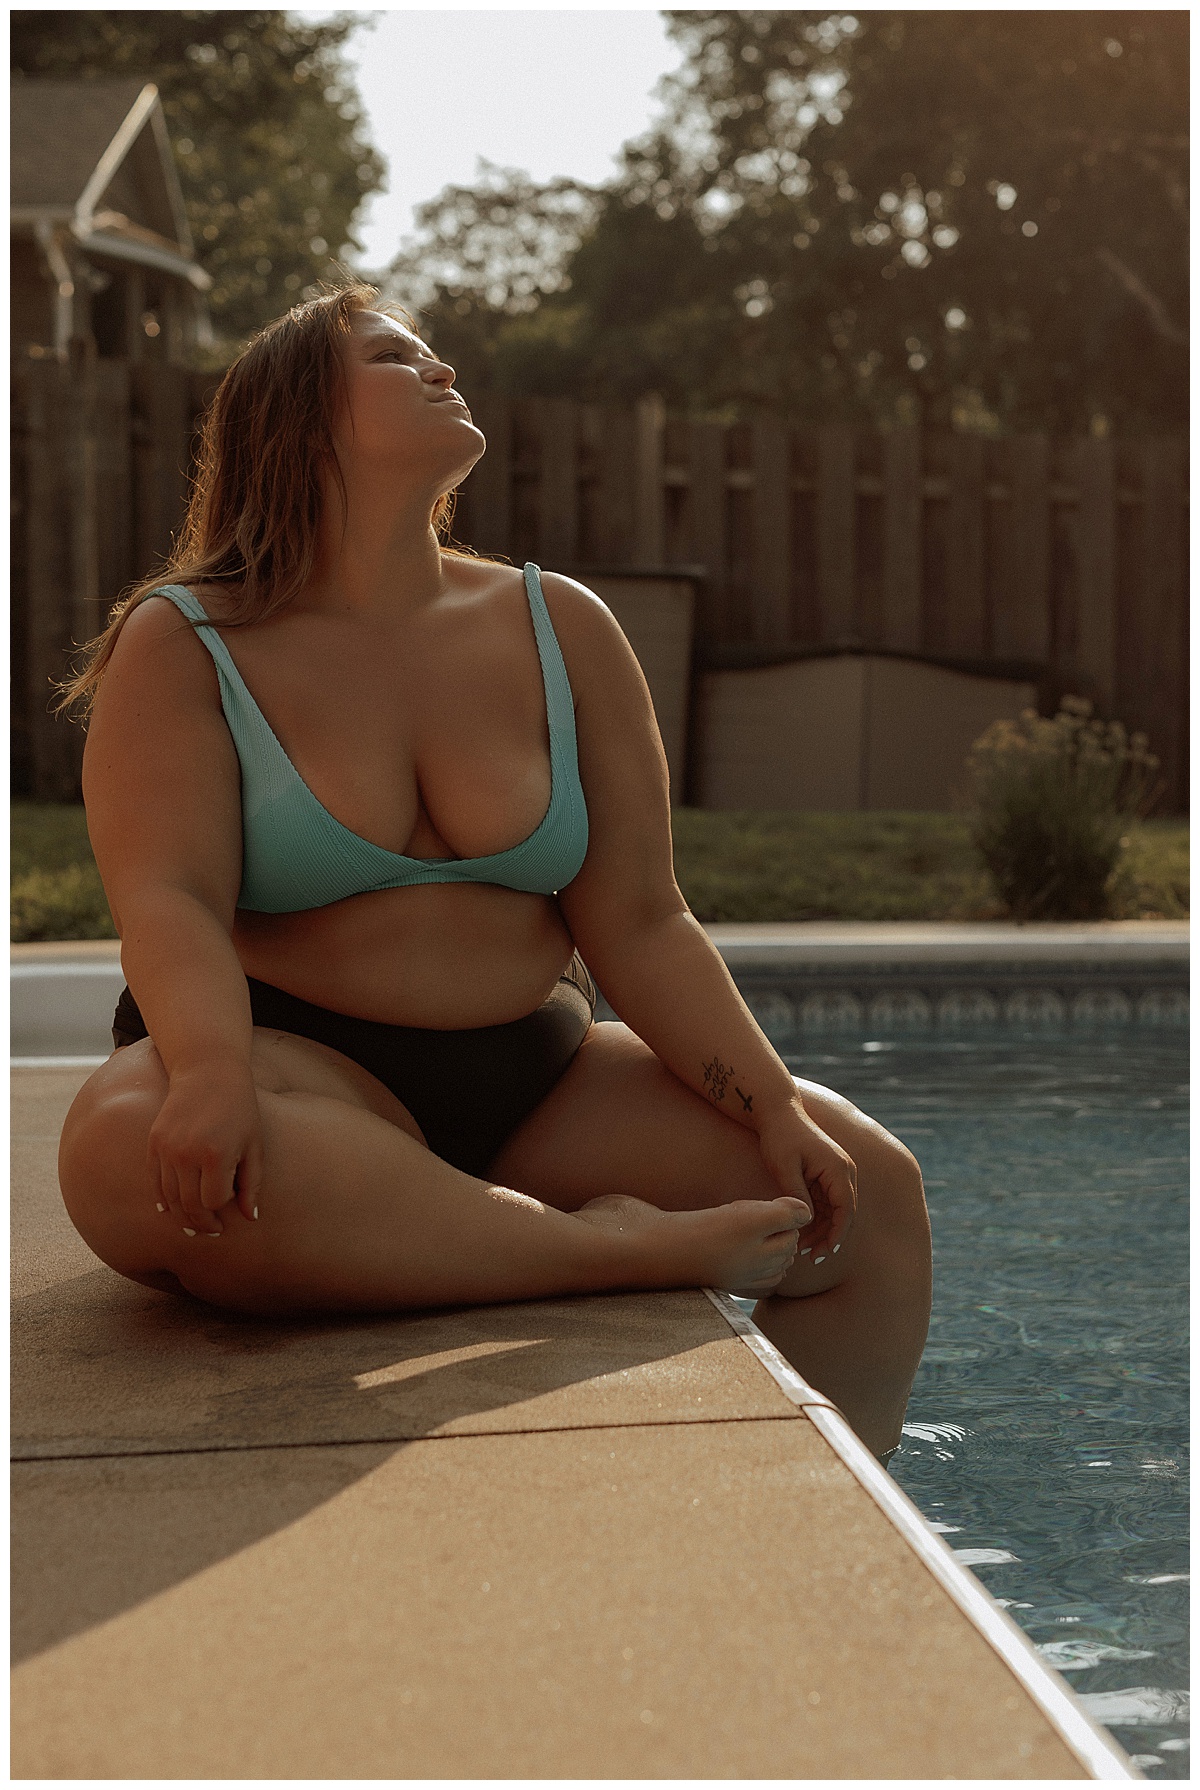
{"x":1047,"y":1430}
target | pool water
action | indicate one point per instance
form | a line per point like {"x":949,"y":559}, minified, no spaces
{"x":1047,"y":1432}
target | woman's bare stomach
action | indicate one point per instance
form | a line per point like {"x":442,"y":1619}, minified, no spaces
{"x":447,"y":956}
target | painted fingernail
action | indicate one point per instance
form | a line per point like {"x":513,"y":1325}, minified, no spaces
{"x":836,"y":1247}
{"x":807,"y":1251}
{"x":212,"y":1233}
{"x":817,"y":1260}
{"x":160,"y":1205}
{"x":188,"y":1233}
{"x":254,"y":1214}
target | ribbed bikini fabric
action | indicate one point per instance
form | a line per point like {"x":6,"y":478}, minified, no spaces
{"x":296,"y":855}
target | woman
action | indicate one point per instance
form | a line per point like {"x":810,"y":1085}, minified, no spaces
{"x":356,"y":1063}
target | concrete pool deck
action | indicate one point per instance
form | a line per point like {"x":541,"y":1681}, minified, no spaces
{"x":583,"y":1538}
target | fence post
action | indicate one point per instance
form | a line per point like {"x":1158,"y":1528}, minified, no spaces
{"x":1096,"y":567}
{"x":1021,"y":613}
{"x":708,"y":522}
{"x":559,"y":494}
{"x":649,"y":514}
{"x":615,"y":475}
{"x":83,"y":474}
{"x":1161,"y":607}
{"x":487,"y":490}
{"x":114,"y":485}
{"x":61,"y":561}
{"x":771,"y":543}
{"x":965,"y":619}
{"x":836,"y":506}
{"x":902,"y":518}
{"x":162,"y":430}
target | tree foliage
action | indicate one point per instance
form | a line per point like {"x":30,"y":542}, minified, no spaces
{"x":968,"y":217}
{"x":267,"y":129}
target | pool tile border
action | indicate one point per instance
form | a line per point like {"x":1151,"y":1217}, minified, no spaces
{"x":820,"y":1002}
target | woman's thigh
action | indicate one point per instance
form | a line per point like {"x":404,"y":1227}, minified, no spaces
{"x":104,"y":1170}
{"x":619,"y":1122}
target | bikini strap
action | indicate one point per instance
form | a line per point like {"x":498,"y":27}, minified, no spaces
{"x":249,"y":726}
{"x":191,"y":606}
{"x":560,"y":704}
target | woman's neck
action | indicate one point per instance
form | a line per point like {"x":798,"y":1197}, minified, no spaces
{"x":381,"y":562}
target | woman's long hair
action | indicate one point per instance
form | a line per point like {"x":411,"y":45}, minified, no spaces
{"x":266,"y":441}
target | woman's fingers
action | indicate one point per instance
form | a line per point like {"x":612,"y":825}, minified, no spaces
{"x":196,"y":1218}
{"x":818,"y":1239}
{"x":193,"y":1194}
{"x":248,"y":1178}
{"x":168,"y":1200}
{"x":842,"y":1203}
{"x":216,"y":1190}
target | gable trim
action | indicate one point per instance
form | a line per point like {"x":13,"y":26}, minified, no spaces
{"x":183,"y":233}
{"x":127,"y":134}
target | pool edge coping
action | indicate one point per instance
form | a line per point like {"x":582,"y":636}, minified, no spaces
{"x":1100,"y":1755}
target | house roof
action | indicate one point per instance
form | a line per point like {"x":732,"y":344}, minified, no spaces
{"x":60,"y":130}
{"x":74,"y":143}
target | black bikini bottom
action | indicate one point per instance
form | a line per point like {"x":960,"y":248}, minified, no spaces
{"x":468,"y":1090}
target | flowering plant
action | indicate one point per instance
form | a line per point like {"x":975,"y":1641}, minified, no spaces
{"x":1052,"y":800}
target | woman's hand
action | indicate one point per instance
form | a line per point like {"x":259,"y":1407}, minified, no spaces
{"x":206,"y":1146}
{"x":808,"y":1164}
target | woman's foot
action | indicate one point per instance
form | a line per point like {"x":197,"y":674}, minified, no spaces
{"x":745,"y":1247}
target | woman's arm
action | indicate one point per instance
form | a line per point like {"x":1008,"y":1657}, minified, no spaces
{"x":658,"y":969}
{"x":161,"y":784}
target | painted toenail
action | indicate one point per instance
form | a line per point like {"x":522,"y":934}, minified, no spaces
{"x":254,"y":1214}
{"x":817,"y":1260}
{"x":807,"y":1251}
{"x":188,"y":1233}
{"x":836,"y":1247}
{"x":159,"y":1205}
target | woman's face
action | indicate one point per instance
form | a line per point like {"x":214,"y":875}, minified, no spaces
{"x":401,"y":409}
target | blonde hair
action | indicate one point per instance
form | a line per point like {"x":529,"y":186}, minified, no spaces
{"x":265,"y":443}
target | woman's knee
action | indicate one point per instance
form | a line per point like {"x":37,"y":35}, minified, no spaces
{"x":891,"y":1187}
{"x":890,"y":1184}
{"x":103,"y":1171}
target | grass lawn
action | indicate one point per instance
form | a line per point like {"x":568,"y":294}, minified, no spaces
{"x":729,"y":866}
{"x":55,"y":890}
{"x":880,"y":866}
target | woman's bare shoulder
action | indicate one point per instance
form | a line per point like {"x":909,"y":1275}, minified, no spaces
{"x":156,"y":640}
{"x":581,"y":619}
{"x":583,"y":624}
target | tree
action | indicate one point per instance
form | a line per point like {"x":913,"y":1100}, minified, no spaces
{"x":976,"y":218}
{"x":1002,"y":198}
{"x":268,"y":134}
{"x":484,"y":258}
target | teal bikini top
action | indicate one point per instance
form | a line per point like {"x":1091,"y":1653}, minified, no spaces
{"x":295,"y":855}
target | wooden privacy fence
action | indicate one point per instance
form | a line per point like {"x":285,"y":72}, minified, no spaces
{"x":1058,"y":560}
{"x":1061,"y":561}
{"x":101,"y":458}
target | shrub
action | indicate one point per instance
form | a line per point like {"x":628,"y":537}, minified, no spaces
{"x":1053,"y":799}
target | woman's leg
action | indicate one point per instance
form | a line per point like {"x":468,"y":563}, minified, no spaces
{"x":855,"y":1324}
{"x":357,"y":1214}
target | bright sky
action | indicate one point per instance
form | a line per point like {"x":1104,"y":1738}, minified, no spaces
{"x":551,"y":92}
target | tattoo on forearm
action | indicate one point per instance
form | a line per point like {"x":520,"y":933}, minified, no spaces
{"x":747,"y":1100}
{"x":716,"y":1078}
